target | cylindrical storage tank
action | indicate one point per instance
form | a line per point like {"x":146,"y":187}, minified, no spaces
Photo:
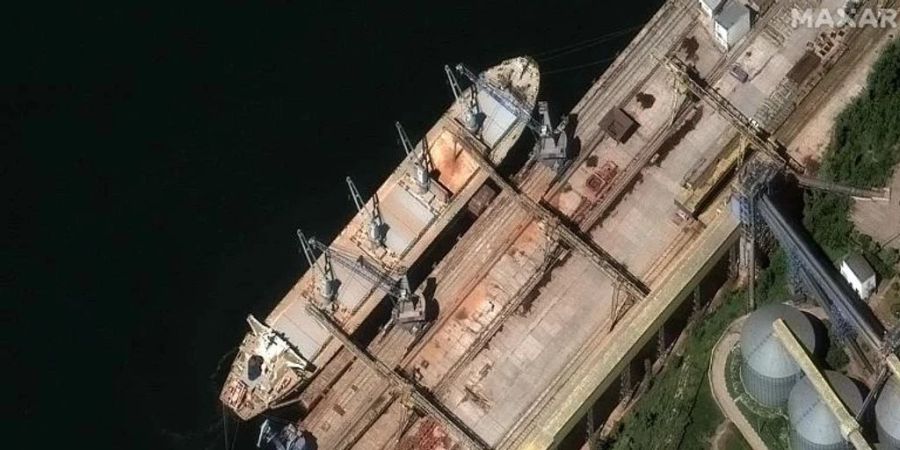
{"x":813,"y":425}
{"x":768,"y":371}
{"x":887,"y":415}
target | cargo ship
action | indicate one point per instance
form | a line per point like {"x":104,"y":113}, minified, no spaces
{"x":365,"y":265}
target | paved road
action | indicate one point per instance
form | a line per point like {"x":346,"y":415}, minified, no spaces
{"x":720,"y":389}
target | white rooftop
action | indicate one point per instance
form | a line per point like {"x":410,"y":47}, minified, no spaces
{"x":711,"y":4}
{"x":732,"y":13}
{"x":859,"y":266}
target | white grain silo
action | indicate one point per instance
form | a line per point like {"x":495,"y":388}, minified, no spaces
{"x":768,"y":371}
{"x":887,"y":415}
{"x":813,"y":425}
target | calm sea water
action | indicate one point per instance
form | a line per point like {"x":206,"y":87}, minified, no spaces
{"x":170,"y":155}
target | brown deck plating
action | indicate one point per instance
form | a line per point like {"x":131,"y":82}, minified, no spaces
{"x":530,"y":331}
{"x":414,"y":221}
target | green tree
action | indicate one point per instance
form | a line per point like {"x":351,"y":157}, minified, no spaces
{"x":863,"y":152}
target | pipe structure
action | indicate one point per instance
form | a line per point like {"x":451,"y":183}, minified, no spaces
{"x":820,"y":275}
{"x":850,"y":428}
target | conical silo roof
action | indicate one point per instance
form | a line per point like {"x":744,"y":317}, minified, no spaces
{"x":811,"y":419}
{"x":887,"y":414}
{"x":762,"y":350}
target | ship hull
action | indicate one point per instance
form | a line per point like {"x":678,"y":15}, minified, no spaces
{"x":278,"y":356}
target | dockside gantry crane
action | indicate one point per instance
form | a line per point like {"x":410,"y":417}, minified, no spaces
{"x":377,"y":227}
{"x":422,"y":165}
{"x":755,"y":134}
{"x":551,"y":146}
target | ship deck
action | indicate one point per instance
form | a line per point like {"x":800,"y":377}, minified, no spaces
{"x":516,"y":306}
{"x":413,"y":218}
{"x":530,"y":330}
{"x":413,"y":221}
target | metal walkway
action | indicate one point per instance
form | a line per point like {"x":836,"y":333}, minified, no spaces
{"x":820,"y":276}
{"x":858,"y":193}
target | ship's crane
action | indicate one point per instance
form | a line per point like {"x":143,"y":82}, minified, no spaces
{"x":359,"y":266}
{"x":552,"y":145}
{"x":421,"y":160}
{"x":327,"y":283}
{"x":509,"y":102}
{"x":377,"y":228}
{"x":280,"y":437}
{"x":407,"y":307}
{"x":473,"y":117}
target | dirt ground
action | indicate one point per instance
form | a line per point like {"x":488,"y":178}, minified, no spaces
{"x":811,"y":141}
{"x":727,"y":437}
{"x":886,"y":302}
{"x":881,"y":219}
{"x":720,"y":436}
{"x":878,"y":219}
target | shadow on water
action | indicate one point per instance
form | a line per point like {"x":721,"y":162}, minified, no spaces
{"x":231,"y":139}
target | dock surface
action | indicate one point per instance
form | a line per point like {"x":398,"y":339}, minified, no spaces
{"x":561,"y":280}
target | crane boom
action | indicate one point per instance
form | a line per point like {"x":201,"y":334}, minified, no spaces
{"x":376,"y":223}
{"x":421,"y":160}
{"x":508,"y":101}
{"x":357,"y":199}
{"x":369,"y":271}
{"x":472,"y":118}
{"x":404,"y":140}
{"x":306,"y":249}
{"x":327,"y":280}
{"x":454,"y":85}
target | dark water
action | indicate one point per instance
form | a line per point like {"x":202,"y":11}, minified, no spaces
{"x":169,"y":154}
